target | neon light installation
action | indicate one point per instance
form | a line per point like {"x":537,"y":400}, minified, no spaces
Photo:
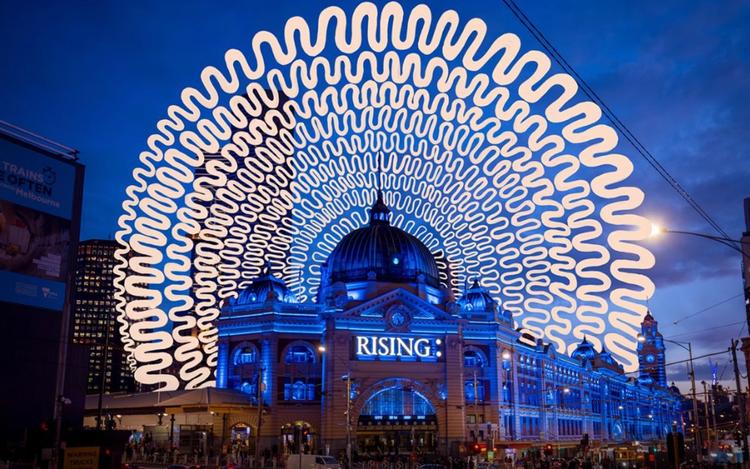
{"x":275,"y":156}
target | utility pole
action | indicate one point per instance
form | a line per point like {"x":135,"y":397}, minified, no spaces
{"x":259,"y":405}
{"x":705,"y":408}
{"x":696,"y":427}
{"x":740,"y":404}
{"x":103,"y":380}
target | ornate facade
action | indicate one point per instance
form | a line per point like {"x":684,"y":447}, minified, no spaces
{"x":416,"y":369}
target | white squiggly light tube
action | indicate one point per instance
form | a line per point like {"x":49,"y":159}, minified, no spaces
{"x":275,"y":157}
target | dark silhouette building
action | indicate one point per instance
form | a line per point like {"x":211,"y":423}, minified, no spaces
{"x":94,"y":323}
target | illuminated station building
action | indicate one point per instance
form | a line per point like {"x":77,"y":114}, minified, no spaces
{"x":423,"y":371}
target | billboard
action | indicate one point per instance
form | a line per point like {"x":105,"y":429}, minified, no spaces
{"x":38,"y":204}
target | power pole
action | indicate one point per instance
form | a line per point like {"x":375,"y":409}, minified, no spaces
{"x":740,"y":404}
{"x":705,"y":409}
{"x":103,"y":379}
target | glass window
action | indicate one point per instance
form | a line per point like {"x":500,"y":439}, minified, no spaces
{"x":474,"y":359}
{"x":299,"y":353}
{"x":398,"y":401}
{"x":469,"y":391}
{"x":245,"y":355}
{"x":247,"y":388}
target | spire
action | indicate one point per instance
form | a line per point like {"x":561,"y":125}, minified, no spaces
{"x":379,"y":211}
{"x":267,"y":268}
{"x":379,"y":173}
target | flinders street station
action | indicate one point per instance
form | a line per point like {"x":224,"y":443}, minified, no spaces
{"x":387,"y":361}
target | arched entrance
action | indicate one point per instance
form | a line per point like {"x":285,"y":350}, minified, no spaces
{"x":297,"y":437}
{"x":242,"y":439}
{"x":397,"y":418}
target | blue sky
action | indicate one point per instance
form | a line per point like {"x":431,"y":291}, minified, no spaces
{"x":97,"y":76}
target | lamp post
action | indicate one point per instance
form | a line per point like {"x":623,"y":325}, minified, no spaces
{"x":739,"y":246}
{"x":348,"y":379}
{"x":734,"y":244}
{"x":689,"y":347}
{"x":506,"y":356}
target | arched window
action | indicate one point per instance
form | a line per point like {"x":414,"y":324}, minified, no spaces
{"x":301,"y":374}
{"x":398,"y":401}
{"x":299,"y":353}
{"x":474,"y":358}
{"x":245,"y":354}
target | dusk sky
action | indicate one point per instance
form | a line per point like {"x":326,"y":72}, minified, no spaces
{"x":97,"y":76}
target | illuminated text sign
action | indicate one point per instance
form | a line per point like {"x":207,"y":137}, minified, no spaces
{"x":373,"y":347}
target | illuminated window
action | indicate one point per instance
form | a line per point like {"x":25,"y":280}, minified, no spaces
{"x":398,"y":401}
{"x":299,"y":391}
{"x":299,"y":353}
{"x":245,"y":355}
{"x":474,"y":358}
{"x":248,"y":388}
{"x":469,"y":392}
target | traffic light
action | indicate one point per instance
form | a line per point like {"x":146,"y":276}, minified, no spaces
{"x":476,"y":448}
{"x":548,"y":450}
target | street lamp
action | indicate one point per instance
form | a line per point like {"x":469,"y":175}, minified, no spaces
{"x":734,"y":244}
{"x":689,"y":347}
{"x":347,"y":378}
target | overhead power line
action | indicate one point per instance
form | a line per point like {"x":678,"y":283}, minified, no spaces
{"x":726,"y":300}
{"x":689,"y":333}
{"x":624,"y":130}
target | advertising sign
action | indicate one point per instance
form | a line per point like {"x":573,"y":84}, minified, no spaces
{"x":37,"y":199}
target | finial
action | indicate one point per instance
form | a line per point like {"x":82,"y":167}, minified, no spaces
{"x":267,"y":267}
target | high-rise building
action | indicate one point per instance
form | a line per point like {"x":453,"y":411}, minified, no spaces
{"x":94,"y":321}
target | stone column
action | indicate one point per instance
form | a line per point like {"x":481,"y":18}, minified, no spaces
{"x":222,"y":364}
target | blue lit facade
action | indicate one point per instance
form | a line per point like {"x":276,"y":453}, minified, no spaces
{"x":425,"y":370}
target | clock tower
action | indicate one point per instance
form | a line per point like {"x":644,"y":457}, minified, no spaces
{"x":651,"y":359}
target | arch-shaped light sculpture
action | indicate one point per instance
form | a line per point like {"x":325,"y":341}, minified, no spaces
{"x":489,"y":158}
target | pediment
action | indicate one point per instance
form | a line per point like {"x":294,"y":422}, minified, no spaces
{"x":403,"y":301}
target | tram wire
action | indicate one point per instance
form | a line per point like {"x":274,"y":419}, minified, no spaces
{"x":624,"y":130}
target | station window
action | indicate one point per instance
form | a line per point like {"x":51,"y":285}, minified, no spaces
{"x":245,"y":355}
{"x":470,"y":393}
{"x":299,"y":391}
{"x":299,"y":353}
{"x":474,"y":358}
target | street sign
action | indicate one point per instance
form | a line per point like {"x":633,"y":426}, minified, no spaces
{"x":86,"y":457}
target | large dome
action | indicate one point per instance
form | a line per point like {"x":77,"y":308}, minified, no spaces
{"x":381,"y":252}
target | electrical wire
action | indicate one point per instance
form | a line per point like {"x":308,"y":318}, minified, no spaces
{"x":624,"y":130}
{"x":704,"y":330}
{"x":707,"y":308}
